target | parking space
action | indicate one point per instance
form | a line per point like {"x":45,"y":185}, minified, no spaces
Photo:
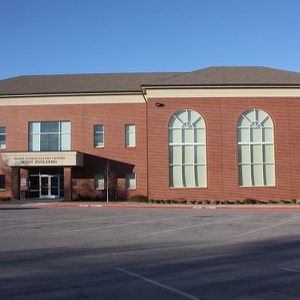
{"x":83,"y":253}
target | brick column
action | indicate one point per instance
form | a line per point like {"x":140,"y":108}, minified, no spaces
{"x":15,"y":183}
{"x":68,"y":183}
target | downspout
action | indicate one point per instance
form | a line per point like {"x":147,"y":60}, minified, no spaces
{"x":147,"y":142}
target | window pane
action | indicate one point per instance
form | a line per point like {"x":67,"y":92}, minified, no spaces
{"x":257,"y":175}
{"x":269,"y":175}
{"x":200,"y":155}
{"x":266,"y":121}
{"x":130,"y":181}
{"x":65,"y":127}
{"x":50,"y":142}
{"x":188,"y":154}
{"x":244,"y":175}
{"x":268,"y":154}
{"x":34,"y":127}
{"x":2,"y":182}
{"x":244,"y":153}
{"x":65,"y":143}
{"x":2,"y":137}
{"x":34,"y":143}
{"x":175,"y":135}
{"x":175,"y":176}
{"x":244,"y":135}
{"x":49,"y":126}
{"x":99,"y":181}
{"x":200,"y":176}
{"x":130,"y":135}
{"x":256,"y":152}
{"x":199,"y":135}
{"x":98,"y":136}
{"x":188,"y":135}
{"x":267,"y":135}
{"x":256,"y":135}
{"x":175,"y":155}
{"x":188,"y":176}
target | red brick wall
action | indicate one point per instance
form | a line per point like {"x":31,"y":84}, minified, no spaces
{"x":83,"y":118}
{"x":221,"y":115}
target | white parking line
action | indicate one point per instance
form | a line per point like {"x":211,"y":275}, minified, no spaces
{"x":188,"y":227}
{"x":188,"y":296}
{"x":291,"y":270}
{"x":267,"y":227}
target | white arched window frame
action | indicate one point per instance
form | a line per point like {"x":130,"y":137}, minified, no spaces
{"x":187,"y":150}
{"x":256,"y":149}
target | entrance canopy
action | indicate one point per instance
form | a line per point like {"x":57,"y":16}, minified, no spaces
{"x":38,"y":159}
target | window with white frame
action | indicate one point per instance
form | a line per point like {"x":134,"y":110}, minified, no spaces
{"x":50,"y":136}
{"x":2,"y":137}
{"x":99,"y":183}
{"x":99,"y":136}
{"x":256,"y":149}
{"x":130,"y":135}
{"x":187,"y":150}
{"x":130,"y":181}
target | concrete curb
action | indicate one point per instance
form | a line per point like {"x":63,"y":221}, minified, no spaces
{"x":154,"y":206}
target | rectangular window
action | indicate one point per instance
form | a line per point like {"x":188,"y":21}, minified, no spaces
{"x":2,"y":137}
{"x":130,"y":135}
{"x":130,"y":181}
{"x":49,"y":136}
{"x":99,"y":136}
{"x":2,"y":182}
{"x":99,"y":181}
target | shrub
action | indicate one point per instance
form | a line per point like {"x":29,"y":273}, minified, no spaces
{"x":5,"y":199}
{"x":206,"y":202}
{"x":139,"y":199}
{"x":250,"y":201}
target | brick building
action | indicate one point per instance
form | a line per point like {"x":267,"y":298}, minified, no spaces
{"x":220,"y":133}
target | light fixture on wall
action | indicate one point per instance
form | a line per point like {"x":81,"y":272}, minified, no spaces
{"x":159,"y":104}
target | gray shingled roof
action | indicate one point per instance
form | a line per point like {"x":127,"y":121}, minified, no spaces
{"x":78,"y":83}
{"x":232,"y":76}
{"x":132,"y":82}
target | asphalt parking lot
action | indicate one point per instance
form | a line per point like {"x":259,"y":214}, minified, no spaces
{"x":85,"y":253}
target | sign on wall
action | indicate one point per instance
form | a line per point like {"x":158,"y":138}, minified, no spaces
{"x":35,"y":159}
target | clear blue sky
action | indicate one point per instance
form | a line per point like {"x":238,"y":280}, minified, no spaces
{"x":105,"y":36}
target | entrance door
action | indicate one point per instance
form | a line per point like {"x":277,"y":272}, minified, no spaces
{"x":49,"y":186}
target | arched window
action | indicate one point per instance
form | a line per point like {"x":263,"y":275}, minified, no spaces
{"x":256,"y":149}
{"x":187,"y":150}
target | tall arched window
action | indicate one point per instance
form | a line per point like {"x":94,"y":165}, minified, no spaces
{"x":256,"y":149}
{"x":187,"y":150}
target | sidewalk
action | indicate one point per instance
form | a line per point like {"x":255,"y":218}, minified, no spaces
{"x":132,"y":205}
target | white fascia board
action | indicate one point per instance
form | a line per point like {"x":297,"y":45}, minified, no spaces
{"x":221,"y":92}
{"x":71,"y":99}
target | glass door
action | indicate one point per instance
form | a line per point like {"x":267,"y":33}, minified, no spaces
{"x":49,"y":186}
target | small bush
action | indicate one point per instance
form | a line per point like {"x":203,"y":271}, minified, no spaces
{"x":206,"y":202}
{"x":250,"y":201}
{"x":294,"y":201}
{"x":139,"y":199}
{"x":5,"y":199}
